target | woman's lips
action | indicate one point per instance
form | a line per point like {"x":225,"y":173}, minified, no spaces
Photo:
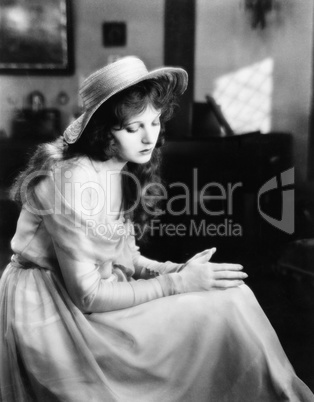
{"x":146,"y":151}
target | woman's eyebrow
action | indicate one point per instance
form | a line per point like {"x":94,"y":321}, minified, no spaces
{"x":140,"y":121}
{"x":133,"y":122}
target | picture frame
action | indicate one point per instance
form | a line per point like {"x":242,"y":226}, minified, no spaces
{"x":36,"y":37}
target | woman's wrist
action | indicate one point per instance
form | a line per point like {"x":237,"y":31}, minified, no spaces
{"x":171,"y":284}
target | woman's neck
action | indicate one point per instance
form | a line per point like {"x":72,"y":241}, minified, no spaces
{"x":112,"y":165}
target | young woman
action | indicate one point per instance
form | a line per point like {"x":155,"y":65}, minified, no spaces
{"x":86,"y":317}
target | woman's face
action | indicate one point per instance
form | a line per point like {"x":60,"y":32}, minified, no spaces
{"x":137,"y":139}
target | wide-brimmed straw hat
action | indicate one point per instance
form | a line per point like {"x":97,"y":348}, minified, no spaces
{"x":113,"y":78}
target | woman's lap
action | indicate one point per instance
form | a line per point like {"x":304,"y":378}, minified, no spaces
{"x":180,"y":348}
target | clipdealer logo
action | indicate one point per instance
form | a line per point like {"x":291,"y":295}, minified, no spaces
{"x":285,"y":185}
{"x":68,"y":199}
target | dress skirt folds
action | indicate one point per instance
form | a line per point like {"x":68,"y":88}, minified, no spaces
{"x":215,"y":346}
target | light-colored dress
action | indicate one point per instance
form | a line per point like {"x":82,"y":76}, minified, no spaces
{"x":76,"y":326}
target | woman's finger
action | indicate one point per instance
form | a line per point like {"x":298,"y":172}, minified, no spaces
{"x":204,"y":256}
{"x":224,"y":284}
{"x":198,"y":255}
{"x":229,"y":275}
{"x":212,"y":252}
{"x":226,"y":267}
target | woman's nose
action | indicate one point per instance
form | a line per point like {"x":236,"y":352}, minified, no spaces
{"x":148,"y":136}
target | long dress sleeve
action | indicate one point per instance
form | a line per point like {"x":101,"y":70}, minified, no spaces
{"x":66,"y":203}
{"x":146,"y":268}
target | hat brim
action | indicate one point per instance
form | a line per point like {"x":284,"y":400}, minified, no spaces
{"x":177,"y":76}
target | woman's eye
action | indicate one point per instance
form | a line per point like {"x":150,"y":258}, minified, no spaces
{"x":156,"y":123}
{"x":131,"y":130}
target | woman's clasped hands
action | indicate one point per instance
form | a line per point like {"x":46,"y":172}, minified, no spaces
{"x":198,"y":274}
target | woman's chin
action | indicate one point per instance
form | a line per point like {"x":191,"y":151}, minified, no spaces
{"x":142,"y":158}
{"x":146,"y":160}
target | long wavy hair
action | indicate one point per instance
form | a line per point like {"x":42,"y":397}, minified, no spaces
{"x":96,"y":143}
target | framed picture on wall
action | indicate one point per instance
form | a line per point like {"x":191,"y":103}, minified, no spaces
{"x":36,"y":37}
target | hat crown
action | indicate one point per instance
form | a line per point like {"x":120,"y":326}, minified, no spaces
{"x":110,"y":79}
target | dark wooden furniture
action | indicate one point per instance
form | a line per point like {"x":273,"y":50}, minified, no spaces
{"x":233,"y":168}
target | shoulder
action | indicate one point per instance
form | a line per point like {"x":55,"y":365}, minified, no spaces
{"x":65,"y":174}
{"x":70,"y":182}
{"x":75,"y":171}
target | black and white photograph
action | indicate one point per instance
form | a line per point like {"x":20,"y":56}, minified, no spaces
{"x":156,"y":200}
